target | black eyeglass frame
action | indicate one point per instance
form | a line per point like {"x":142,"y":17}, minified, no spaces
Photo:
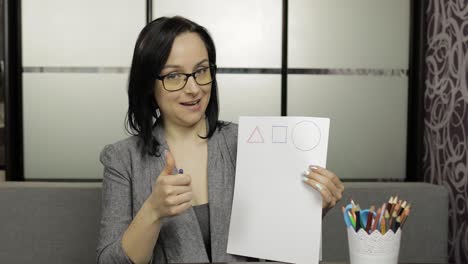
{"x":212,"y":68}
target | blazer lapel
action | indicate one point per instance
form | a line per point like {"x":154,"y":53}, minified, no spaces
{"x":180,"y":235}
{"x":182,"y":240}
{"x":220,"y":192}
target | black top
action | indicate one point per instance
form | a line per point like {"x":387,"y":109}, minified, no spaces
{"x":203,"y":215}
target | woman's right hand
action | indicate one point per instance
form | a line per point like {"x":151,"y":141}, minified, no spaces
{"x":172,"y":194}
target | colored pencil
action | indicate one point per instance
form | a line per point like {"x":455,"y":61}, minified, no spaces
{"x":394,"y":203}
{"x":376,"y":220}
{"x":396,"y":209}
{"x":403,"y":221}
{"x":382,"y":213}
{"x":389,"y":204}
{"x":383,"y":226}
{"x":391,"y":225}
{"x":387,"y":222}
{"x":397,"y":224}
{"x":358,"y":218}
{"x":353,"y":222}
{"x":403,"y":206}
{"x":370,"y":216}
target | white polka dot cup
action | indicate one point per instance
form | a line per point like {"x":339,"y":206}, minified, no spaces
{"x":373,"y":248}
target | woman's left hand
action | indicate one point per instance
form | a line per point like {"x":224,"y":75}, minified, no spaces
{"x":326,"y":182}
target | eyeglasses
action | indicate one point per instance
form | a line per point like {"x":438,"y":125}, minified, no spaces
{"x":175,"y":81}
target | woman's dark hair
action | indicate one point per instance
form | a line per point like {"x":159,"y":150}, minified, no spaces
{"x":149,"y":57}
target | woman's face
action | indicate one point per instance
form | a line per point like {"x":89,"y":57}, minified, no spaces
{"x":185,"y":107}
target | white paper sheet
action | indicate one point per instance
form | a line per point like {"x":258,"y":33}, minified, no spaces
{"x":275,"y":215}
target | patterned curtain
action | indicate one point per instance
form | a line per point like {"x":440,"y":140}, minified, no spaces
{"x":445,"y":158}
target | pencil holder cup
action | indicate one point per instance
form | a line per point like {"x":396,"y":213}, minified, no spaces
{"x":373,"y":248}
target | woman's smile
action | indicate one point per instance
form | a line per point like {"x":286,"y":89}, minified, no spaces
{"x":193,"y":105}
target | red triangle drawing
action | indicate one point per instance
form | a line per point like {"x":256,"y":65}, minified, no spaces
{"x":256,"y":136}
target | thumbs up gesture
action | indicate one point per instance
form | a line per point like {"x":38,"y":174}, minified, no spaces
{"x":172,"y":194}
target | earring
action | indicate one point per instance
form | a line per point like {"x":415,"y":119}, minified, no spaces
{"x":158,"y":113}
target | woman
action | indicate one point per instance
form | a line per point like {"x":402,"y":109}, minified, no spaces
{"x":151,"y":211}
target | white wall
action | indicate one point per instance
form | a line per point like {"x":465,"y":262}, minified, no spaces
{"x":368,"y":111}
{"x":70,"y":116}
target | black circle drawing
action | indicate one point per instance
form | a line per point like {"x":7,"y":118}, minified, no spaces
{"x":306,"y":135}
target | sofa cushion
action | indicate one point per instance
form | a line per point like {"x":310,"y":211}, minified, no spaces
{"x":49,"y":222}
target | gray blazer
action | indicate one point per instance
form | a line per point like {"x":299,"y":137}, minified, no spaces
{"x":127,"y":183}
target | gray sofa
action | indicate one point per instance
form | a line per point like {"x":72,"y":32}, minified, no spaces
{"x":59,"y":222}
